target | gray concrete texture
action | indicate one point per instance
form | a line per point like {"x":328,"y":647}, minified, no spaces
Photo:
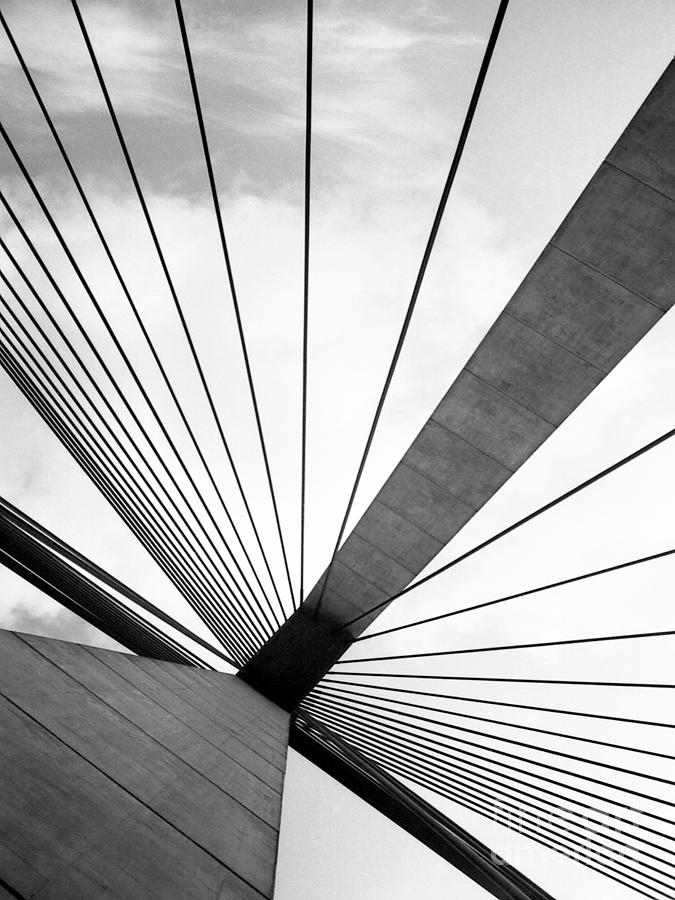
{"x":131,"y":778}
{"x":603,"y":280}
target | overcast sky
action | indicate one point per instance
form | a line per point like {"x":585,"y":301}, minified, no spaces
{"x":391,"y":85}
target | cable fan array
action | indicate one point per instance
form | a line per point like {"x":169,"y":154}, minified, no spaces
{"x":85,"y":589}
{"x":611,"y":814}
{"x":622,"y":831}
{"x":137,"y":466}
{"x":502,"y":756}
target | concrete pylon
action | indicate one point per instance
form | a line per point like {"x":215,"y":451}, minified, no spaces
{"x":128,"y":778}
{"x":601,"y":283}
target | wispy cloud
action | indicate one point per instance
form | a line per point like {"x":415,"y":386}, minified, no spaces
{"x":390,"y":86}
{"x":133,"y":51}
{"x":24,"y":608}
{"x":58,"y":623}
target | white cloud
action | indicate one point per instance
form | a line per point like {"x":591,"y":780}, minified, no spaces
{"x":134,"y":55}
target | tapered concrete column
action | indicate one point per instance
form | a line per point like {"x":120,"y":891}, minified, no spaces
{"x":127,"y":778}
{"x":600,"y":284}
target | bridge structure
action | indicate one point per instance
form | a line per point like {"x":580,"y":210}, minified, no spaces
{"x":155,"y":774}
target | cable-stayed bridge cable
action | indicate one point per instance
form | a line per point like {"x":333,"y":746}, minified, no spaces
{"x":305,"y":288}
{"x":635,"y":454}
{"x":482,"y":700}
{"x":51,"y":406}
{"x":402,"y":737}
{"x":74,"y":558}
{"x":230,"y":279}
{"x":454,"y":166}
{"x":424,"y":761}
{"x":119,"y":392}
{"x":324,"y":691}
{"x":431,"y":737}
{"x":167,"y":274}
{"x":501,"y":680}
{"x":313,"y":704}
{"x":135,"y":311}
{"x":546,"y":587}
{"x":81,"y":417}
{"x":197,"y":547}
{"x":530,"y":646}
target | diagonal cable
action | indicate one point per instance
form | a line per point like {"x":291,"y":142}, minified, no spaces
{"x":87,"y":599}
{"x":451,"y":712}
{"x":424,"y":760}
{"x":167,"y":275}
{"x":481,"y":700}
{"x":564,"y":841}
{"x":435,"y":778}
{"x":391,"y":723}
{"x":230,"y":278}
{"x":536,"y":644}
{"x":520,"y":522}
{"x":92,"y":347}
{"x":82,"y":415}
{"x":134,"y":308}
{"x":546,"y":587}
{"x":305,"y":303}
{"x":401,"y":736}
{"x":341,"y":703}
{"x":464,"y":134}
{"x":499,"y":680}
{"x":73,"y":558}
{"x":81,"y":421}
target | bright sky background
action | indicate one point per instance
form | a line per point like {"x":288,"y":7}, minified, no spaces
{"x":391,"y":85}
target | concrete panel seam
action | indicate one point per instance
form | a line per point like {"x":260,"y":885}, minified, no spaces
{"x":508,"y":396}
{"x":150,"y":737}
{"x":86,"y":849}
{"x":11,"y":890}
{"x":641,"y":181}
{"x":399,"y":513}
{"x":441,"y":487}
{"x":547,"y":337}
{"x":379,"y":550}
{"x":178,"y":718}
{"x":185,"y":700}
{"x":182,"y":698}
{"x":251,"y":723}
{"x":132,"y":795}
{"x":206,"y":698}
{"x":468,"y":443}
{"x":153,"y":739}
{"x":616,"y":281}
{"x":355,"y":607}
{"x":334,"y":590}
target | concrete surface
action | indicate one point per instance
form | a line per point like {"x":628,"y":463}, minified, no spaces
{"x":130,"y":778}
